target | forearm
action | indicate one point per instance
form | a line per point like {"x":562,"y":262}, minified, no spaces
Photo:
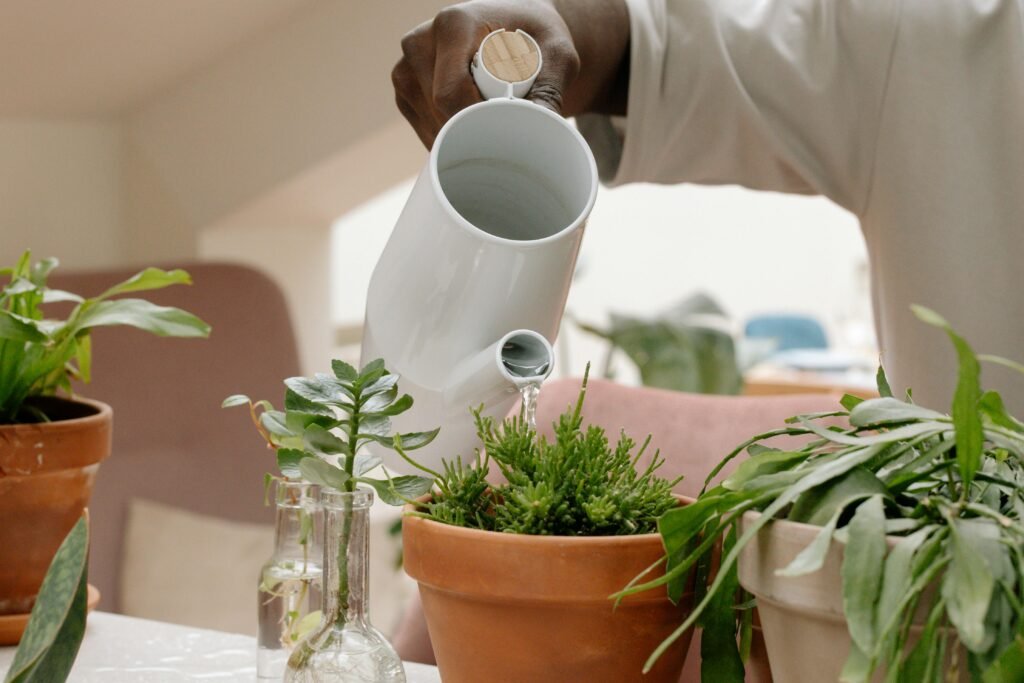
{"x":600,"y":33}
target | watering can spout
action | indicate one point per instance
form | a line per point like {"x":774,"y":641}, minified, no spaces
{"x":518,"y":358}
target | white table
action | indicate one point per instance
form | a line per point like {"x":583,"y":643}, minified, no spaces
{"x":119,"y":649}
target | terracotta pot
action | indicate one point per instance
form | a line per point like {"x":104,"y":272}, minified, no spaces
{"x":508,"y":607}
{"x":802,"y":617}
{"x":46,"y":477}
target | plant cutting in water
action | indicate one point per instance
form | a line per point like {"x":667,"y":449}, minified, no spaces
{"x":947,"y":487}
{"x":578,"y":484}
{"x":40,"y":356}
{"x":319,"y":437}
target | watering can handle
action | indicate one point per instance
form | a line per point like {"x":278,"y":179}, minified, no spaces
{"x":507,"y":64}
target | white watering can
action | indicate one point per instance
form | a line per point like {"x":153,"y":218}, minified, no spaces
{"x":469,"y":292}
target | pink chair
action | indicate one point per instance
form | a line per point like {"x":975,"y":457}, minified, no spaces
{"x":692,"y":431}
{"x":172,"y":442}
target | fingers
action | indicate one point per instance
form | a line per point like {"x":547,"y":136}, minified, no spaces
{"x":458,"y":36}
{"x":559,"y":68}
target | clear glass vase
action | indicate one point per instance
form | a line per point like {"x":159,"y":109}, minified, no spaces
{"x":289,"y":584}
{"x":345,"y":647}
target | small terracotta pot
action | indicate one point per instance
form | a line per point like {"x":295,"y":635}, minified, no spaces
{"x":46,"y":477}
{"x":802,"y":617}
{"x":508,"y":607}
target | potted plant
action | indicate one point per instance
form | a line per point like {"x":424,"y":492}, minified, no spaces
{"x":889,"y":545}
{"x":515,"y":576}
{"x":320,"y":437}
{"x":51,"y":443}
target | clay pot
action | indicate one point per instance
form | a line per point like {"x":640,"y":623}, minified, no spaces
{"x":46,"y":477}
{"x":508,"y":607}
{"x":802,"y":617}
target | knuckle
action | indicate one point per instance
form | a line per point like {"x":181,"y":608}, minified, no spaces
{"x":401,"y":76}
{"x":547,"y":94}
{"x":413,"y":40}
{"x":449,"y":18}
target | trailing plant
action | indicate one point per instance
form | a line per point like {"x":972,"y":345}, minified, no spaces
{"x":40,"y":356}
{"x":946,"y":490}
{"x":328,"y":420}
{"x":575,"y":485}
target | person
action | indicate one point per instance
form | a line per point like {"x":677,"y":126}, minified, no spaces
{"x":907,"y":113}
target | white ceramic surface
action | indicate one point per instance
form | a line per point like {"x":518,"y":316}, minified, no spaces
{"x":486,"y":245}
{"x":119,"y":649}
{"x":490,"y":85}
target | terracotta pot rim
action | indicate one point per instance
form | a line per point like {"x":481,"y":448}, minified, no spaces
{"x":102,"y":412}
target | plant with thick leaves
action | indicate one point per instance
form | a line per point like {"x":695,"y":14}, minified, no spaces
{"x":948,"y":488}
{"x":40,"y":356}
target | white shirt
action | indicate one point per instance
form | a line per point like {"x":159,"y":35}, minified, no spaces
{"x":908,"y":113}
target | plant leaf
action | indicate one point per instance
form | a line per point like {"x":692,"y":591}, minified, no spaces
{"x":316,"y":471}
{"x":344,"y":371}
{"x":163,"y":321}
{"x":57,"y":625}
{"x":764,"y":462}
{"x":148,"y":279}
{"x":288,"y":460}
{"x":320,"y":440}
{"x":320,"y":390}
{"x":399,"y":406}
{"x":863,"y":561}
{"x":886,"y":411}
{"x":365,"y":462}
{"x":819,"y":504}
{"x":882,"y":382}
{"x":19,"y":329}
{"x":294,"y":402}
{"x":397,"y":490}
{"x":967,"y":588}
{"x":812,"y":557}
{"x":235,"y":400}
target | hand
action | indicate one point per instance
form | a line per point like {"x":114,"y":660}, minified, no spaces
{"x":584,"y":44}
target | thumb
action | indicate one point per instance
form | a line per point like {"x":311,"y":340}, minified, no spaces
{"x":559,"y":67}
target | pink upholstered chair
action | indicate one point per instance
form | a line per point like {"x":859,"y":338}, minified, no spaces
{"x":693,"y":432}
{"x":172,"y":442}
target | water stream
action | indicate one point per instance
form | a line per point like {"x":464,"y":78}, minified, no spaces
{"x":528,"y":411}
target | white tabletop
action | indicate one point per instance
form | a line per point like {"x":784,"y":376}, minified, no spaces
{"x":119,"y":649}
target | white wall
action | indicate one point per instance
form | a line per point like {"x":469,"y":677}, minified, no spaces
{"x":60,"y":191}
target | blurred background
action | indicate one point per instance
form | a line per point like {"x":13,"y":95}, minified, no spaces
{"x":264,"y":133}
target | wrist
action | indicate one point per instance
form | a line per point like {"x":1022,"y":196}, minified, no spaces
{"x":600,"y":32}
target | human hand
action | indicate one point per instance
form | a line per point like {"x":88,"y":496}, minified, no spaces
{"x":583,"y":42}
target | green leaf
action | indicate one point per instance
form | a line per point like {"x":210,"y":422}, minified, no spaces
{"x":19,"y":329}
{"x":414,"y":440}
{"x":849,"y":401}
{"x":966,"y":417}
{"x":374,"y":367}
{"x":819,"y":504}
{"x":397,"y":490}
{"x":83,"y":357}
{"x":274,"y":421}
{"x":316,"y":471}
{"x":57,"y":624}
{"x":765,"y":462}
{"x":41,"y":270}
{"x":235,"y":400}
{"x":294,"y":402}
{"x":365,"y":462}
{"x":991,"y":405}
{"x":882,"y":382}
{"x":857,"y":667}
{"x":1009,"y":666}
{"x":967,"y":588}
{"x":163,"y":321}
{"x":321,"y":389}
{"x":320,"y":440}
{"x":812,"y":557}
{"x":56,"y":296}
{"x":897,"y":579}
{"x":863,"y":561}
{"x":148,"y":279}
{"x":288,"y":460}
{"x":388,"y":384}
{"x":379,"y":401}
{"x":719,"y":651}
{"x":887,"y":411}
{"x":344,"y":371}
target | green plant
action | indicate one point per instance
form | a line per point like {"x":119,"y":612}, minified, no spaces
{"x":57,"y":625}
{"x":40,"y":356}
{"x":684,"y":348}
{"x":949,"y":488}
{"x":321,"y":434}
{"x":575,"y":485}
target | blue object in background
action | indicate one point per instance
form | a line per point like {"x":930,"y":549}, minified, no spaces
{"x":789,"y":331}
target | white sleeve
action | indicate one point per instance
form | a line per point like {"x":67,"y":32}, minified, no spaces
{"x":782,"y":95}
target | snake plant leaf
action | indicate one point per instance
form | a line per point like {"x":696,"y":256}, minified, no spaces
{"x":57,"y":625}
{"x":163,"y":321}
{"x":967,"y":588}
{"x":862,"y":571}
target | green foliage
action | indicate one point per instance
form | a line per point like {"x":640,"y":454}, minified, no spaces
{"x":678,"y":349}
{"x":949,"y":488}
{"x":57,"y":625}
{"x":40,"y":355}
{"x":576,"y":485}
{"x":327,"y":421}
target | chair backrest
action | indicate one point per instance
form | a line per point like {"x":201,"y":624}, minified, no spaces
{"x":172,"y":442}
{"x":789,"y":331}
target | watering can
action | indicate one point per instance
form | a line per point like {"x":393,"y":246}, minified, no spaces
{"x":469,"y":292}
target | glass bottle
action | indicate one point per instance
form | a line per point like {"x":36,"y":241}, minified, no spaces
{"x":289,"y":584}
{"x":345,"y":647}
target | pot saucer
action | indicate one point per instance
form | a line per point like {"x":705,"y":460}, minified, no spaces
{"x":13,"y":625}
